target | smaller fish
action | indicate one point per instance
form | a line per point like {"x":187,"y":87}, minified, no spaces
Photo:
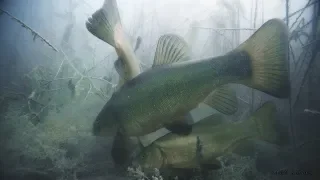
{"x":216,"y":136}
{"x":105,"y":24}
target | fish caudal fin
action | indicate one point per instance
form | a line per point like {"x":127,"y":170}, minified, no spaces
{"x":171,"y":48}
{"x":268,"y":51}
{"x":103,"y":22}
{"x":265,"y":118}
{"x":223,"y":99}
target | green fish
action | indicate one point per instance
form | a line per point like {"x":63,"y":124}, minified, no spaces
{"x":162,"y":96}
{"x":173,"y":48}
{"x":211,"y":138}
{"x":105,"y":24}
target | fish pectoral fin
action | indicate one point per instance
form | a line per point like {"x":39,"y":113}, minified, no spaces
{"x":211,"y":164}
{"x":223,"y":99}
{"x":171,"y":48}
{"x":179,"y":127}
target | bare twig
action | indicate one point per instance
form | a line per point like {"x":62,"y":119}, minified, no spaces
{"x":299,"y":10}
{"x":34,"y":33}
{"x":89,"y":91}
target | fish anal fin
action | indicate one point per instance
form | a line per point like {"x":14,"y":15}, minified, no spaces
{"x":180,"y":126}
{"x":223,"y":99}
{"x":171,"y":48}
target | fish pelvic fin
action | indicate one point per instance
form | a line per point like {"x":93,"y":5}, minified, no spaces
{"x":171,"y":48}
{"x":103,"y":22}
{"x":268,"y":51}
{"x":180,"y":127}
{"x":121,"y":149}
{"x":265,"y":119}
{"x":223,"y":99}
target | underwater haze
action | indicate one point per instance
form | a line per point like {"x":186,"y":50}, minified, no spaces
{"x":144,"y":89}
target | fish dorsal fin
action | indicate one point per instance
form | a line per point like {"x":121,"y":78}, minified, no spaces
{"x":170,"y":48}
{"x":223,"y":99}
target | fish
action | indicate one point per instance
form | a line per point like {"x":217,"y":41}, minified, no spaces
{"x":105,"y":24}
{"x":163,"y":95}
{"x":211,"y":138}
{"x":172,"y":48}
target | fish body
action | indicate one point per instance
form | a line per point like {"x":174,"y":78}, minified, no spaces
{"x":212,"y":137}
{"x":171,"y":91}
{"x":158,"y":97}
{"x":172,"y":48}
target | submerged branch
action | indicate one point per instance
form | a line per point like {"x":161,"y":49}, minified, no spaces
{"x":299,"y":10}
{"x":34,"y":33}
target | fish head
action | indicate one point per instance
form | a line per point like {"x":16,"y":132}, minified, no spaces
{"x":105,"y":124}
{"x":149,"y":159}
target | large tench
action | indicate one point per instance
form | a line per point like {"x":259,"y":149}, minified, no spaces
{"x":162,"y":96}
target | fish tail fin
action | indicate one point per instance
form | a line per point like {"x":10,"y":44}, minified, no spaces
{"x":103,"y":22}
{"x":264,"y":119}
{"x":268,"y":51}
